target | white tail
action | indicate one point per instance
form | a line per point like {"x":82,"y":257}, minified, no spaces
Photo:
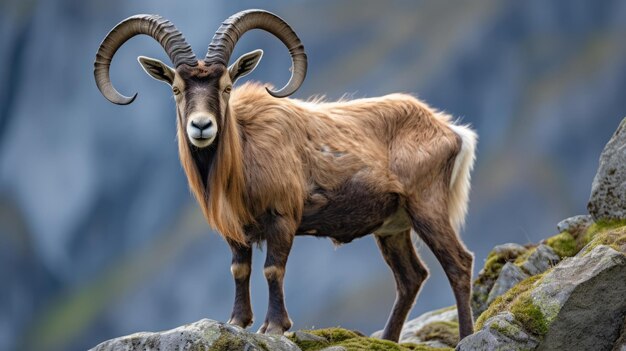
{"x":461,"y":174}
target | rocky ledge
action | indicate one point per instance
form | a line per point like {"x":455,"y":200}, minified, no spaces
{"x":209,"y":335}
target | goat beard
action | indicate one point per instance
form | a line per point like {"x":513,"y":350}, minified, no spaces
{"x":203,"y":158}
{"x":216,"y":179}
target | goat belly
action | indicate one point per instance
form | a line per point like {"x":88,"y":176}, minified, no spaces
{"x":349,"y":212}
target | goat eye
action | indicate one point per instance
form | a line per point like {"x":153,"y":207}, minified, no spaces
{"x":176,"y":90}
{"x":227,"y":90}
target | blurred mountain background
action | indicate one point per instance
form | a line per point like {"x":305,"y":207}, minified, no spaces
{"x":99,"y":236}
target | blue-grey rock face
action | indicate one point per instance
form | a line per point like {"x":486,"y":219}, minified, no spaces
{"x":99,"y":236}
{"x":509,"y":276}
{"x":608,"y":191}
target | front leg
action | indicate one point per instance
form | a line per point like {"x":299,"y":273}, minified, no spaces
{"x":279,"y":240}
{"x":240,"y":268}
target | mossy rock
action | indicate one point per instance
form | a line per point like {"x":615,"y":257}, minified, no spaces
{"x":488,"y":275}
{"x":567,"y":244}
{"x":611,"y":233}
{"x":203,"y":335}
{"x":442,"y":331}
{"x":515,"y":300}
{"x":564,"y":244}
{"x":577,"y":304}
{"x":355,"y":341}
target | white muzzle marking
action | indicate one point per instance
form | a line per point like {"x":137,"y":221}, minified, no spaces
{"x":201,"y":129}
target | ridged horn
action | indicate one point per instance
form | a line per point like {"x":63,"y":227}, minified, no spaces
{"x":235,"y":26}
{"x":162,"y":30}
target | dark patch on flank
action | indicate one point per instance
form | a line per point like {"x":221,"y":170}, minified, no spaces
{"x":350,"y":212}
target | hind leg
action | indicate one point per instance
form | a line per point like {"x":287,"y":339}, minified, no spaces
{"x":435,"y":230}
{"x":409,"y":274}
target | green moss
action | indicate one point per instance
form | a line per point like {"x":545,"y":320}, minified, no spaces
{"x":503,"y":302}
{"x":519,"y":302}
{"x":226,"y":342}
{"x":263,"y":345}
{"x":355,"y":341}
{"x":446,"y":332}
{"x":614,"y":237}
{"x":519,"y":260}
{"x":564,"y":244}
{"x":489,"y":273}
{"x":504,"y":330}
{"x":529,"y":314}
{"x":335,"y":334}
{"x":599,"y":227}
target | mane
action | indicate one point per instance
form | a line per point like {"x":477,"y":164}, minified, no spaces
{"x":220,"y":196}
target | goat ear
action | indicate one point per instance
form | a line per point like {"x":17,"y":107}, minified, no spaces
{"x":157,"y":69}
{"x":245,"y":64}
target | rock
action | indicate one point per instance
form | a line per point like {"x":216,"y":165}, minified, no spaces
{"x":436,"y":329}
{"x":304,"y":336}
{"x":439,"y":334}
{"x":620,"y":343}
{"x":508,"y":250}
{"x":575,"y":225}
{"x":501,"y":332}
{"x":582,"y":300}
{"x":205,"y":334}
{"x":509,"y":276}
{"x":488,"y":275}
{"x":608,"y":191}
{"x":334,"y":348}
{"x":540,"y":260}
{"x":577,"y":305}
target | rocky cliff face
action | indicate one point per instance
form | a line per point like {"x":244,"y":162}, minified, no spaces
{"x":564,"y":293}
{"x":567,"y":293}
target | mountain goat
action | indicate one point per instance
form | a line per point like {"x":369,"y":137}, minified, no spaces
{"x":268,"y":169}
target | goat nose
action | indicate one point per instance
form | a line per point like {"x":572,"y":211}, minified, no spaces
{"x":202,"y":125}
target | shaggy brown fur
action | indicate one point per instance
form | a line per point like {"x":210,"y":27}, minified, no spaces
{"x":292,"y":147}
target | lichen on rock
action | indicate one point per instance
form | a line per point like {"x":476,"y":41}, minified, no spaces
{"x":504,"y":302}
{"x":412,"y":330}
{"x":501,"y":332}
{"x":488,"y":275}
{"x":444,"y":333}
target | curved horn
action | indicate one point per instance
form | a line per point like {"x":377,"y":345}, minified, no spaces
{"x":162,"y":30}
{"x":235,"y":26}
